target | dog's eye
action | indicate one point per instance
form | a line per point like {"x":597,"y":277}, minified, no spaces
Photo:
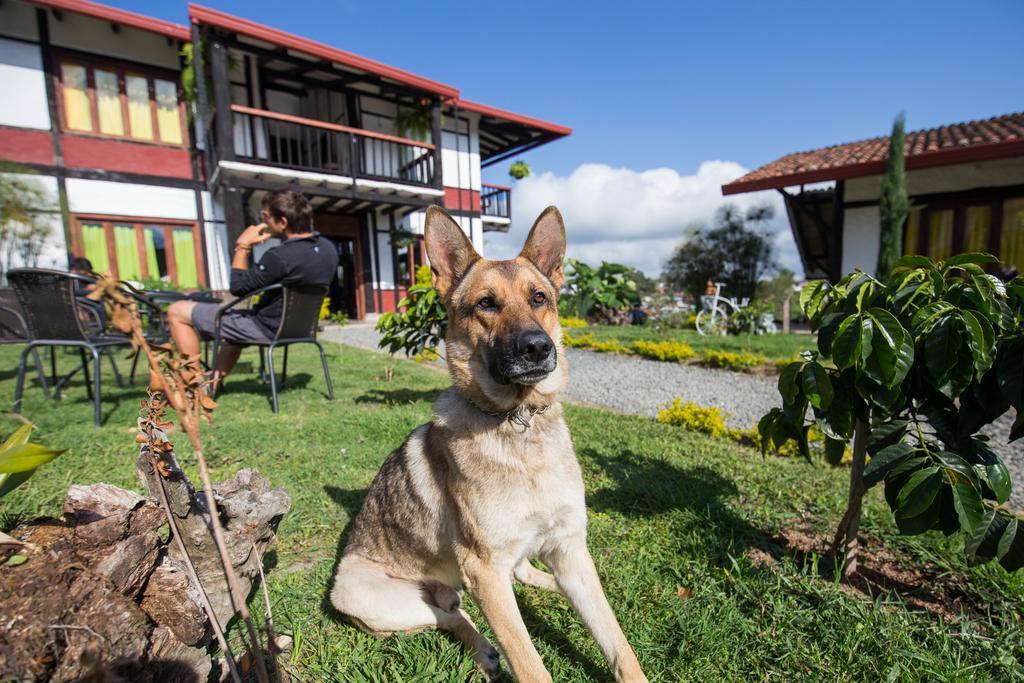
{"x":539,"y":299}
{"x":486,"y":304}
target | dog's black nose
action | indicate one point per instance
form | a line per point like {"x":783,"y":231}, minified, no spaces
{"x":534,"y":345}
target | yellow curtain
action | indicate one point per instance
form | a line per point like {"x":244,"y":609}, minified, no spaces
{"x":976,"y":229}
{"x":167,"y":117}
{"x":911,"y":233}
{"x":108,"y":103}
{"x":1011,"y":245}
{"x":126,"y":248}
{"x":76,"y":96}
{"x":940,"y":234}
{"x":185,"y":258}
{"x":140,"y":117}
{"x":94,"y":243}
{"x":151,"y":262}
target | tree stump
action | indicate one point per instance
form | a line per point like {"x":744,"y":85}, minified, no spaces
{"x":105,"y":592}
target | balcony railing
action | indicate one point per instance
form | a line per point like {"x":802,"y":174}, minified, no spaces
{"x":496,"y":201}
{"x":294,"y":142}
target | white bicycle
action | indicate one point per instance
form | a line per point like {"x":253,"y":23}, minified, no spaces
{"x":714,"y":315}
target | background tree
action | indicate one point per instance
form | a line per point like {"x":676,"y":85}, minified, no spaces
{"x":893,"y":205}
{"x":736,"y":250}
{"x":25,"y":210}
{"x":775,"y":290}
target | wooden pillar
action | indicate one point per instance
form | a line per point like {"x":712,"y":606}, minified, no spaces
{"x":436,"y":137}
{"x":786,"y":312}
{"x":222,"y":101}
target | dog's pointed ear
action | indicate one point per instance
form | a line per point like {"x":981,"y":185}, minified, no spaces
{"x":449,"y":250}
{"x":545,"y":246}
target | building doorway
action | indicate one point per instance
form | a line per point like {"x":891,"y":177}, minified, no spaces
{"x":346,"y":290}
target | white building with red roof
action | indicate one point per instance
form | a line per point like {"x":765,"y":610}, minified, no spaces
{"x":965,"y":182}
{"x":95,"y":111}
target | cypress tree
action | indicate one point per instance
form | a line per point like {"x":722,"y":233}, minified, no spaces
{"x":893,"y":206}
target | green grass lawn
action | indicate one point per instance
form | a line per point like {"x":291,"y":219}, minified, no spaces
{"x":774,"y":346}
{"x":668,"y":509}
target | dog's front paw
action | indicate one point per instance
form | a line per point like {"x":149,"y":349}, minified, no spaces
{"x":488,"y":659}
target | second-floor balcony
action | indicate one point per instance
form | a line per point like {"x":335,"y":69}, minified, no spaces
{"x":294,"y":142}
{"x":496,"y":202}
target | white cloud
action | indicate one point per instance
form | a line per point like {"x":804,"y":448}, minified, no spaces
{"x":633,"y":217}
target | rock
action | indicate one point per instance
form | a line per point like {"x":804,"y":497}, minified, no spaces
{"x":169,"y":600}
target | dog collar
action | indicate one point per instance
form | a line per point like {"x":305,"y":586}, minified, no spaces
{"x":518,"y":415}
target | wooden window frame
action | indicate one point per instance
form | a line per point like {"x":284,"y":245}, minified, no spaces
{"x":993,"y":198}
{"x":139,"y":224}
{"x":122,"y":69}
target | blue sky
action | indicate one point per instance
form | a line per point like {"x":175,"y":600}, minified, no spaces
{"x":673,"y":85}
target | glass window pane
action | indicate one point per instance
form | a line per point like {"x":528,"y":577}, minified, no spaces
{"x":167,"y":116}
{"x":185,"y":258}
{"x":94,"y":246}
{"x":1011,"y":244}
{"x":911,"y":233}
{"x":976,"y":228}
{"x":940,"y":234}
{"x":140,"y":117}
{"x":156,"y":251}
{"x":108,"y":103}
{"x":126,"y":248}
{"x":76,"y":96}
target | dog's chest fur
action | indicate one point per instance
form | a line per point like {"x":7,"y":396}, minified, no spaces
{"x":470,"y":481}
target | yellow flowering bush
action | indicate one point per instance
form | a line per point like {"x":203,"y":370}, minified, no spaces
{"x":663,"y":350}
{"x":570,"y":321}
{"x":730,"y":360}
{"x":707,"y":420}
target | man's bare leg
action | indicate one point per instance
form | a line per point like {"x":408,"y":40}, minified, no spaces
{"x":179,"y":316}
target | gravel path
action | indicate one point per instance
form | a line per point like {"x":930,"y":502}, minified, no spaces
{"x":641,"y":386}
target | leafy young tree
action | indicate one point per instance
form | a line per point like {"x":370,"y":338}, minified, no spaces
{"x":421,"y":322}
{"x":24,"y":218}
{"x":736,"y":250}
{"x":893,"y":205}
{"x":922,"y":362}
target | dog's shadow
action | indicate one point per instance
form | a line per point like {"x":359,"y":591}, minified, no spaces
{"x":349,"y":500}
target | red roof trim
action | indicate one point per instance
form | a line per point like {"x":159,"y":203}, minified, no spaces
{"x":119,"y":16}
{"x":204,"y":15}
{"x":942,"y":157}
{"x":517,"y":118}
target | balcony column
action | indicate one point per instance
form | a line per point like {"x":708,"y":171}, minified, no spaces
{"x":435,"y":137}
{"x":222,"y":101}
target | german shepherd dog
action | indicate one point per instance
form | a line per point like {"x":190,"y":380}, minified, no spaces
{"x":492,"y":481}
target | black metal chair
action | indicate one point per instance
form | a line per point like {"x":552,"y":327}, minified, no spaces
{"x":13,"y":330}
{"x":56,"y":318}
{"x":300,"y":314}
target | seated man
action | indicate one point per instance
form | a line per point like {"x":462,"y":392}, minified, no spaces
{"x":302,"y":258}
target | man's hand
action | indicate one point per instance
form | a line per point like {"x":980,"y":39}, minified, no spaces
{"x":253,"y":235}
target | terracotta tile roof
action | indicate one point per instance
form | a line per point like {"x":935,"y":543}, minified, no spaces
{"x":994,"y":138}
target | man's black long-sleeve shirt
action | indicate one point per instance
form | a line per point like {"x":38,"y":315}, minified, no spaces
{"x":297,"y":261}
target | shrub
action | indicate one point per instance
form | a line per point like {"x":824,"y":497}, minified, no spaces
{"x":421,"y":322}
{"x":663,"y":350}
{"x":754,"y":318}
{"x":707,"y":420}
{"x":922,"y":362}
{"x":730,"y":360}
{"x":607,"y":346}
{"x":604,"y":294}
{"x":581,"y":342}
{"x":571,"y":322}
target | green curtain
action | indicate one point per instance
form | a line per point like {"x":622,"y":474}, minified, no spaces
{"x":185,"y":258}
{"x":154,"y":268}
{"x":95,"y":244}
{"x":126,"y":247}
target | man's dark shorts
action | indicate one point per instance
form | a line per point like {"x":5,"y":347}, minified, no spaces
{"x":235,"y":326}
